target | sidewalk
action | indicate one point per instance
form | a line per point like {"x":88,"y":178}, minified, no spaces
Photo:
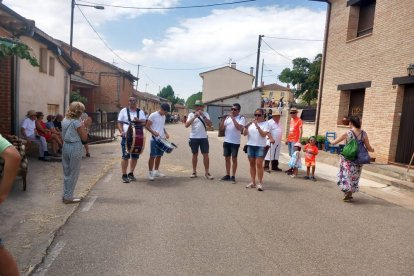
{"x":29,"y":220}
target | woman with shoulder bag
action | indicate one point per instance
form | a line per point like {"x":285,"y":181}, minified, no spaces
{"x":74,"y":132}
{"x":349,"y":170}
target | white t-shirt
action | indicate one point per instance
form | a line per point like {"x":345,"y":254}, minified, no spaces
{"x":123,"y":117}
{"x":254,"y":138}
{"x":275,"y":130}
{"x":158,"y":123}
{"x":29,"y":127}
{"x":197,"y":128}
{"x":232,"y":134}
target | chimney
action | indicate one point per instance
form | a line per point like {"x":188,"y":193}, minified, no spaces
{"x":233,"y":65}
{"x":251,"y":71}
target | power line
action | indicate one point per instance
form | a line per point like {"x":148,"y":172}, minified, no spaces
{"x":287,"y":38}
{"x":169,"y":8}
{"x":280,"y":54}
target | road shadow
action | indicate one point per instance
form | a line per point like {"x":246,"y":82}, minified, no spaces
{"x":167,"y":182}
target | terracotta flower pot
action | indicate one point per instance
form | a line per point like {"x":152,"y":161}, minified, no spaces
{"x":345,"y":121}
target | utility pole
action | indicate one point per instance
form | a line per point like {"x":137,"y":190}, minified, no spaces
{"x":258,"y":61}
{"x":137,"y":78}
{"x":261,"y":75}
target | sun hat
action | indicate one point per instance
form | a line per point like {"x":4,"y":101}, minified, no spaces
{"x":39,"y":113}
{"x":198,"y":103}
{"x":293,"y":110}
{"x":31,"y":113}
{"x":298,"y":145}
{"x":275,"y":112}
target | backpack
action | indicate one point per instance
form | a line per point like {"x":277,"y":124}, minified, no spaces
{"x":350,"y":151}
{"x":363,"y":156}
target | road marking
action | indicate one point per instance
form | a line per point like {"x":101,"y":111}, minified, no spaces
{"x":108,"y":178}
{"x":51,"y":257}
{"x":89,"y":204}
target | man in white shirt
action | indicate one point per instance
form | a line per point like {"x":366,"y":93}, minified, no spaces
{"x":29,"y":133}
{"x":138,"y":117}
{"x":232,"y":125}
{"x":272,"y":156}
{"x":155,"y":125}
{"x":199,"y":121}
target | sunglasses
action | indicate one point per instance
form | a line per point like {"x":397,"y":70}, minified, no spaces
{"x":293,"y":112}
{"x":258,"y":115}
{"x":234,"y":109}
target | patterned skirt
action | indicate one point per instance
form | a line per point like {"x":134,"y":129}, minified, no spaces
{"x":348,"y":176}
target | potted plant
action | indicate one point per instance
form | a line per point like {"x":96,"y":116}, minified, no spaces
{"x":320,"y":140}
{"x":304,"y":140}
{"x":345,"y":120}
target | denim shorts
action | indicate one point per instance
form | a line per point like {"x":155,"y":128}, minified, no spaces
{"x":230,"y":149}
{"x":155,"y":150}
{"x":201,"y":143}
{"x":125,"y":154}
{"x":256,"y":152}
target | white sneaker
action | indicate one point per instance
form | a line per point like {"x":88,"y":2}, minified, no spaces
{"x":151,"y":176}
{"x":157,"y":174}
{"x":259,"y":187}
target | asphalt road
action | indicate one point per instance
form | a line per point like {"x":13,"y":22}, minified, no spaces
{"x":181,"y":226}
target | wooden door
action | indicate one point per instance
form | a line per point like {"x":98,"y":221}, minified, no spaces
{"x":405,"y":146}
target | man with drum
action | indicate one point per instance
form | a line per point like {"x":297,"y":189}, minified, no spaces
{"x":232,"y":124}
{"x":155,"y":125}
{"x":128,"y":115}
{"x":199,"y":121}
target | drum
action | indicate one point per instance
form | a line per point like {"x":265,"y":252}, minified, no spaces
{"x":164,"y":145}
{"x":135,"y":139}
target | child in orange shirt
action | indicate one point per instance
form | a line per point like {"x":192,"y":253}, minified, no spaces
{"x":311,"y":150}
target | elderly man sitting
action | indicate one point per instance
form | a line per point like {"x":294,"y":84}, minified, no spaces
{"x":29,"y":132}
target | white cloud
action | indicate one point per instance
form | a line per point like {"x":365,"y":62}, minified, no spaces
{"x":192,"y":43}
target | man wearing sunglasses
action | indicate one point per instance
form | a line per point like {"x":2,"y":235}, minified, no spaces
{"x":295,"y":130}
{"x":232,"y":125}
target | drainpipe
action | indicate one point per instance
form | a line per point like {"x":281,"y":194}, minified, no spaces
{"x":323,"y":64}
{"x":66,"y":92}
{"x":15,"y":96}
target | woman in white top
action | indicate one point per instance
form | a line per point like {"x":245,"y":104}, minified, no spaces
{"x":256,"y":132}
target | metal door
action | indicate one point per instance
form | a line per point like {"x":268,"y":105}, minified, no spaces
{"x":216,"y":111}
{"x":405,"y":146}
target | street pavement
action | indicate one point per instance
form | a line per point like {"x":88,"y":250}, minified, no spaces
{"x":181,"y":226}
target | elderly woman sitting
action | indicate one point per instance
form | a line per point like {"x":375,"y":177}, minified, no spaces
{"x":47,"y":133}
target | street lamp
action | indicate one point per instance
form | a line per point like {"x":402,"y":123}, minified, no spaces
{"x":71,"y":20}
{"x":410,"y":69}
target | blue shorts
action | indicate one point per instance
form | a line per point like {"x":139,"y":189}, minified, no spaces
{"x":125,"y":154}
{"x":256,"y":152}
{"x":230,"y":149}
{"x":201,"y":143}
{"x":155,"y":150}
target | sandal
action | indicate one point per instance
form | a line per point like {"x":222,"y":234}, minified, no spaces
{"x":209,"y":176}
{"x":348,"y":197}
{"x":71,"y":200}
{"x":193,"y":175}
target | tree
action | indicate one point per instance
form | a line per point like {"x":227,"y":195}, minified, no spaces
{"x":75,"y":96}
{"x":304,"y":76}
{"x":191,"y":100}
{"x":11,"y":47}
{"x":168,"y":93}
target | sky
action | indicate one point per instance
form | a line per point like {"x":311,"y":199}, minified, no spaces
{"x":173,"y":46}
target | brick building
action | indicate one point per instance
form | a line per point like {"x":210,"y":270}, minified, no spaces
{"x":22,"y":86}
{"x":368,"y":48}
{"x":106,"y":86}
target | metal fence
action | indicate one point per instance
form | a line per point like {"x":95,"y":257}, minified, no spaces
{"x":103,"y":117}
{"x":102,"y":132}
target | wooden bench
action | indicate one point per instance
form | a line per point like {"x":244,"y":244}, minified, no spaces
{"x":20,"y":146}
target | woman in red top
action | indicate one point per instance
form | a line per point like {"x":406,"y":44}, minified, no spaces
{"x":47,"y":133}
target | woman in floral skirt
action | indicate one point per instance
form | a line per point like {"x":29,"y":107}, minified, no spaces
{"x":349,"y":171}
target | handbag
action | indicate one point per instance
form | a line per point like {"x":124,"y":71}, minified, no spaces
{"x":350,"y":151}
{"x":363,"y":156}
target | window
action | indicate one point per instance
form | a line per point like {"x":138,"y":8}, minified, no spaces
{"x":51,"y":66}
{"x":52,"y":109}
{"x":351,"y":102}
{"x":43,"y":60}
{"x":361,"y":18}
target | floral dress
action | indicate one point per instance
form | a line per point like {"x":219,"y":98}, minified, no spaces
{"x":295,"y":161}
{"x":349,"y":172}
